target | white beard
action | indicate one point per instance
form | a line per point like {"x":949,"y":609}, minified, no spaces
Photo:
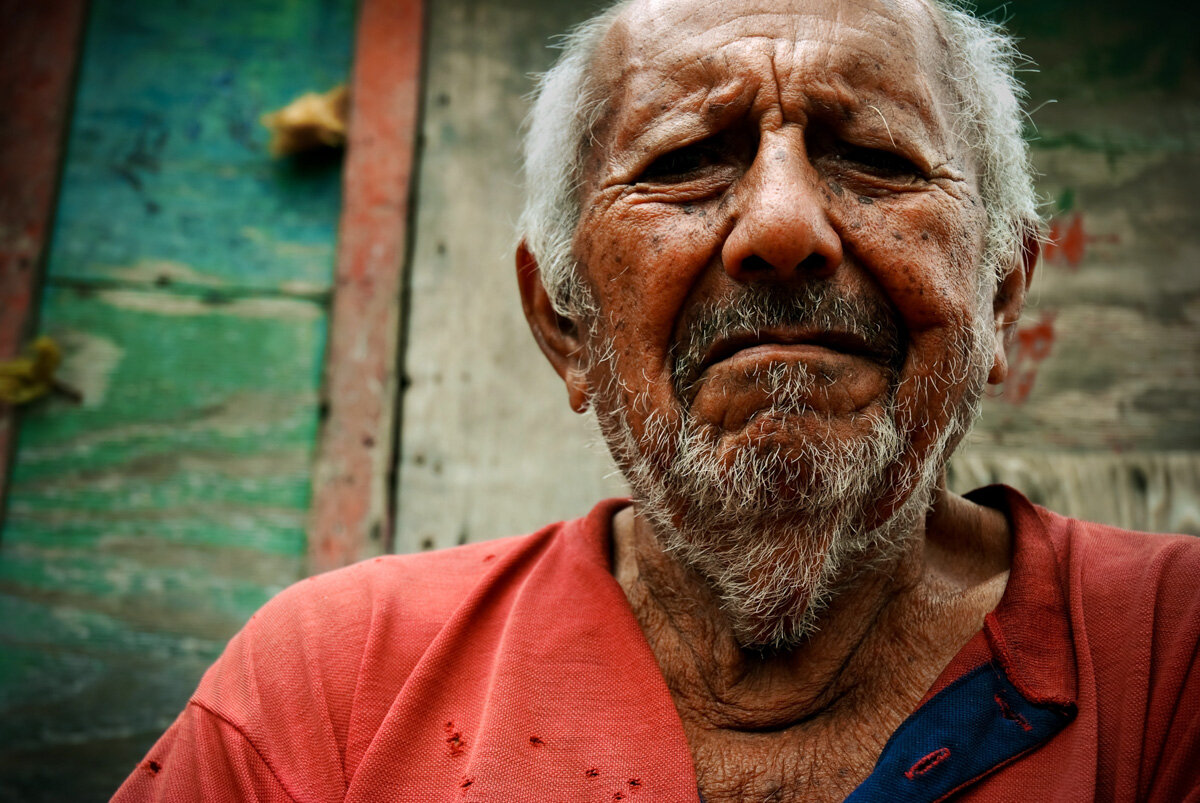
{"x":777,"y":536}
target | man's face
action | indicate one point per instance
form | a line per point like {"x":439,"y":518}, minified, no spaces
{"x":780,"y":146}
{"x":782,"y":236}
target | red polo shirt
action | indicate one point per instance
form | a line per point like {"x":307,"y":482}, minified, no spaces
{"x":514,"y":670}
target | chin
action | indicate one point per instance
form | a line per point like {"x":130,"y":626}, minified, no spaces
{"x":776,"y":574}
{"x":778,"y":523}
{"x":783,"y":516}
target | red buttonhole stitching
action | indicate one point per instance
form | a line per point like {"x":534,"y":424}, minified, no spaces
{"x":927,"y":763}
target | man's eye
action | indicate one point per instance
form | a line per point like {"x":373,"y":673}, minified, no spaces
{"x":681,"y":163}
{"x":879,"y":163}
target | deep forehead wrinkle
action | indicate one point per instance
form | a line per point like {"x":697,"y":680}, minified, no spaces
{"x":673,"y":75}
{"x":814,"y":65}
{"x":804,"y":27}
{"x":700,"y":92}
{"x":671,"y":44}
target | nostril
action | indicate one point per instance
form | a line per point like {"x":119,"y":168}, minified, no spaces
{"x":813,"y":263}
{"x":756,"y":264}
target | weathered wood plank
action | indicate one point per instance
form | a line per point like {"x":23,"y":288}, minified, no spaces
{"x":158,"y":135}
{"x":1152,"y":491}
{"x":187,"y":280}
{"x":38,"y":47}
{"x":489,"y":446}
{"x":1110,"y":367}
{"x":149,"y":522}
{"x":351,"y":516}
{"x":1121,"y":369}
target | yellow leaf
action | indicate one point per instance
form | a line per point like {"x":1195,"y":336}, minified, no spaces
{"x":309,"y":122}
{"x":27,"y":378}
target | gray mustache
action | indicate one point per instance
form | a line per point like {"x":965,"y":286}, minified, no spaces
{"x":758,"y":307}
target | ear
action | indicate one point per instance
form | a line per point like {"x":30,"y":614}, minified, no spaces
{"x":558,"y":337}
{"x":1009,"y":300}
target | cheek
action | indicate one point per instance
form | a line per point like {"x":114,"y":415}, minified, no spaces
{"x":642,"y":261}
{"x":923,"y":252}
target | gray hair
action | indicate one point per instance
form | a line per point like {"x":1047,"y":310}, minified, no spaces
{"x":979,"y":66}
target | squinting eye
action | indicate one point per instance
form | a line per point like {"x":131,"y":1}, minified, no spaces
{"x":880,"y":163}
{"x":680,"y":163}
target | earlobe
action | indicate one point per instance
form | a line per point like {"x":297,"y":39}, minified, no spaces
{"x":1009,"y":301}
{"x":558,"y":337}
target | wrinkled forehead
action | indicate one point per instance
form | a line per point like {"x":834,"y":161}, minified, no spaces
{"x":892,"y":45}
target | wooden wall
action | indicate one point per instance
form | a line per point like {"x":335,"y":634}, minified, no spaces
{"x":187,"y":282}
{"x":488,"y":446}
{"x":1102,"y":419}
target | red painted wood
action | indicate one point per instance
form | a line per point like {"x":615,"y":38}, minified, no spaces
{"x":350,"y":517}
{"x":39,"y":47}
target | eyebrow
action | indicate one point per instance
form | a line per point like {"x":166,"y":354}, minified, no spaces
{"x":888,"y":117}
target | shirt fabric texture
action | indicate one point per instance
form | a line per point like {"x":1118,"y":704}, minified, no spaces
{"x":514,"y":670}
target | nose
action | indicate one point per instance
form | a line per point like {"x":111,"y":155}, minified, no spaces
{"x":782,"y":226}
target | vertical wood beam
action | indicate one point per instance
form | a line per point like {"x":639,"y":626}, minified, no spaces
{"x":351,"y":515}
{"x":39,"y":49}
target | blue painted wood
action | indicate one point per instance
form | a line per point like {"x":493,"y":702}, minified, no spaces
{"x":167,"y":160}
{"x":187,"y":283}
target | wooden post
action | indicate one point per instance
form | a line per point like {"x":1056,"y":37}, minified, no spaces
{"x":39,"y":48}
{"x":351,"y":512}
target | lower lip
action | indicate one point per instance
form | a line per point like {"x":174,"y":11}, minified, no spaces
{"x":784,"y":352}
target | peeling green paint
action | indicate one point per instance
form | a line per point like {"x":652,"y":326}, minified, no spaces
{"x":188,"y":282}
{"x":166,"y":128}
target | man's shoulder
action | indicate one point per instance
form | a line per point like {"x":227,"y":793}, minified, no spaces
{"x":1114,"y":585}
{"x":428,"y":582}
{"x":371,"y":622}
{"x":1117,"y":583}
{"x":408,"y":596}
{"x":364,"y":626}
{"x":1077,"y":545}
{"x":1113,"y":554}
{"x":1133,"y":604}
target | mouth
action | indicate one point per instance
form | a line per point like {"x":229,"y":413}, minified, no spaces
{"x":765,"y":324}
{"x":835,"y":341}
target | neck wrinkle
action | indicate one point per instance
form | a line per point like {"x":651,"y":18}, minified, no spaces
{"x":714,"y":679}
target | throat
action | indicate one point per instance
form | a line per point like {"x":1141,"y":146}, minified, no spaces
{"x":722,"y":685}
{"x":809,"y":764}
{"x":806,"y":723}
{"x":809,"y":722}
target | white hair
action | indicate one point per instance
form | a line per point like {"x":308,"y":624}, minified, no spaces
{"x":979,"y":65}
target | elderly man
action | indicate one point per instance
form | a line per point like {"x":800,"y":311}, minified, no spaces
{"x":777,"y":246}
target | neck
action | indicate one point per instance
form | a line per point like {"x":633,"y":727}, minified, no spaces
{"x":890,"y":629}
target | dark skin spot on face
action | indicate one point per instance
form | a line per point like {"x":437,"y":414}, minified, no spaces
{"x":862,"y":199}
{"x":898,"y":235}
{"x":837,"y":188}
